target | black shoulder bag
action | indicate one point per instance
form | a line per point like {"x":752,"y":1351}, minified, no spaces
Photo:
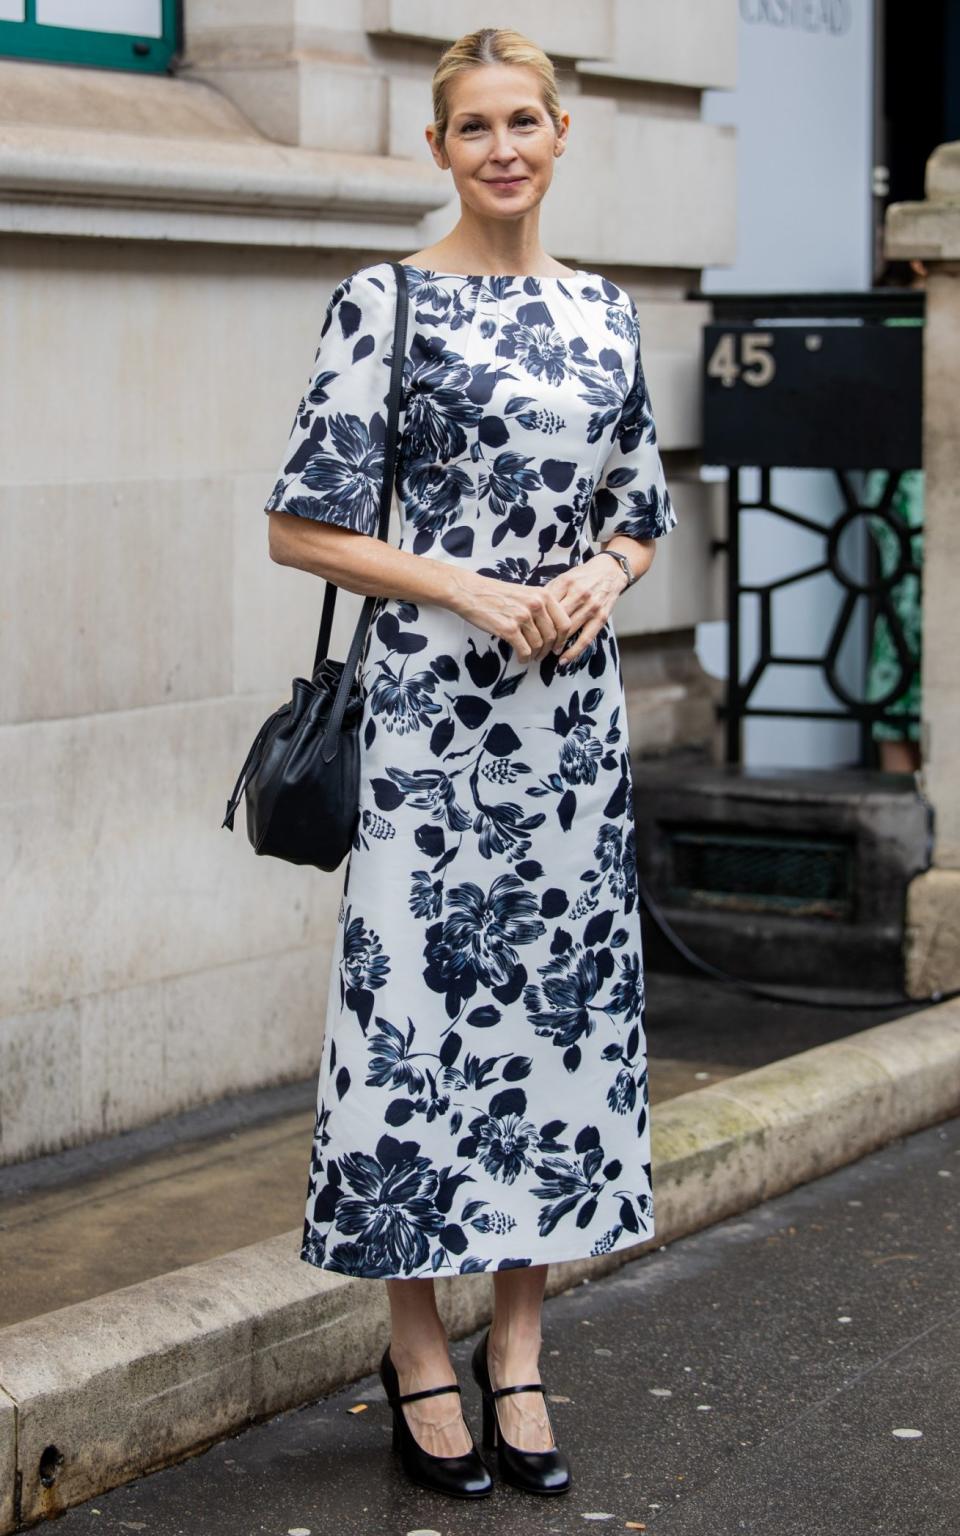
{"x":302,"y":774}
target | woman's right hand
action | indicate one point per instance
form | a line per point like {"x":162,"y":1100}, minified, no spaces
{"x":532,"y":619}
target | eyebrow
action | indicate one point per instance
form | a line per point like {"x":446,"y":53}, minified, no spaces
{"x":457,"y":115}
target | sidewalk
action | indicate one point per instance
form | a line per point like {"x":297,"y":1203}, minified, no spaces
{"x":748,"y":1379}
{"x":99,"y":1392}
{"x":91,"y":1220}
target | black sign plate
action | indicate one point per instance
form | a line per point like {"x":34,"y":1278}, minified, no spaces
{"x":813,"y":396}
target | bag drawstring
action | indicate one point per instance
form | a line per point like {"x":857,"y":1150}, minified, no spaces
{"x":234,"y":799}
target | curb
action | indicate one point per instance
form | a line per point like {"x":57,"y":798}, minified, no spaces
{"x":98,"y":1393}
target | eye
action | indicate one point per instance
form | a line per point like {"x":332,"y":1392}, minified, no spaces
{"x":467,"y":126}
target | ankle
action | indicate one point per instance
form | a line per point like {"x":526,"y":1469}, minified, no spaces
{"x":509,"y":1341}
{"x":425,"y":1354}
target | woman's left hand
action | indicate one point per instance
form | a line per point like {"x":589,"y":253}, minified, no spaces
{"x":587,"y":593}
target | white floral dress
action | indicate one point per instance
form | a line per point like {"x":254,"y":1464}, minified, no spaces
{"x":482,"y":1099}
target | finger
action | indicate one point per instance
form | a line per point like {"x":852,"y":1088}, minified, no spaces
{"x":540,"y":628}
{"x":586,"y":637}
{"x":581,"y":612}
{"x":562,"y":620}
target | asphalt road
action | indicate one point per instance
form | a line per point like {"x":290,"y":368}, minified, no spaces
{"x":790,"y":1372}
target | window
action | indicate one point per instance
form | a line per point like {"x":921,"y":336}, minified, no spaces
{"x":113,"y":34}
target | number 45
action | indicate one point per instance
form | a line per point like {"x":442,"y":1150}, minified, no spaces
{"x":756,"y":365}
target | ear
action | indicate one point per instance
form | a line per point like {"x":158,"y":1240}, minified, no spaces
{"x":439,"y":155}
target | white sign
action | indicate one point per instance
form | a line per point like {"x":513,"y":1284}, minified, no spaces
{"x":142,"y":18}
{"x":833,"y":16}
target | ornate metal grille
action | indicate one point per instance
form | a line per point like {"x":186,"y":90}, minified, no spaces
{"x":816,"y":381}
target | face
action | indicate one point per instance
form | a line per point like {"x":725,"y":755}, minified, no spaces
{"x":501,"y":143}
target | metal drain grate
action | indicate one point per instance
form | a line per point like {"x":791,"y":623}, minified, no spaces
{"x":750,"y":872}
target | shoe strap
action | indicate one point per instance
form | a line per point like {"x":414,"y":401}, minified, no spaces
{"x":412,"y":1397}
{"x":532,"y":1386}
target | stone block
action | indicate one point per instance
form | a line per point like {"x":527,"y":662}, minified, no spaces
{"x":689,"y":43}
{"x":675,"y":200}
{"x":119,"y":594}
{"x":201,"y":352}
{"x":564,"y":29}
{"x":117,"y":871}
{"x":409,"y":111}
{"x":933,"y":932}
{"x":317,"y":103}
{"x":174,"y":1363}
{"x":821,"y":1109}
{"x":708,"y":1158}
{"x":109,"y":1061}
{"x":8,"y":1462}
{"x":276,"y":608}
{"x":922,"y":1056}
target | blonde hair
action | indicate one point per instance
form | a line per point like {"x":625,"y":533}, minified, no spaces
{"x":492,"y":45}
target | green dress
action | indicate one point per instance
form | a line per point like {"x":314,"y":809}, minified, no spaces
{"x":884,"y":667}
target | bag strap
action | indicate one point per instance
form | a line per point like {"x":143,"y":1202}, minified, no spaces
{"x":330,"y":741}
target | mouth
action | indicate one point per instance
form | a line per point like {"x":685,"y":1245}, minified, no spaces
{"x":503,"y":181}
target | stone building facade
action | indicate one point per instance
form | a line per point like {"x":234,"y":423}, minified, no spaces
{"x":168,"y":245}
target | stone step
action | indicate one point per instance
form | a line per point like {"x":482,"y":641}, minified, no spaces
{"x":785,"y":876}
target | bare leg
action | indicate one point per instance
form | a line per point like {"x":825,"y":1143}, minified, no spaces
{"x":419,"y":1350}
{"x":900,"y":756}
{"x":513,"y":1353}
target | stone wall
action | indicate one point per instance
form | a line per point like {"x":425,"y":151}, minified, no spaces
{"x":930,"y":230}
{"x":168,"y":246}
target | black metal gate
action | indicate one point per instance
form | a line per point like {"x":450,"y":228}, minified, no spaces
{"x":815,"y":381}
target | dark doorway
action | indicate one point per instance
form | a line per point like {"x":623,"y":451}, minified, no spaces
{"x":917,"y":100}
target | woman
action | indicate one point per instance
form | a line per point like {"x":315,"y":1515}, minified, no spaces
{"x":482,"y":1102}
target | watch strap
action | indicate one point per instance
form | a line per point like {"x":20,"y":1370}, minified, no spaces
{"x":623,"y":562}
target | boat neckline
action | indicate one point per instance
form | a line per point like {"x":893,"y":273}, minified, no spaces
{"x":514,"y":277}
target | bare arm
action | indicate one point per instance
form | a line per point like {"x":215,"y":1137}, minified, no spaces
{"x":361,"y":563}
{"x":532,"y":619}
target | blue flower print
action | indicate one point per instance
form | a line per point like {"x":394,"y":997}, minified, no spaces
{"x":628,"y":993}
{"x":561,"y":1006}
{"x":566,"y":1184}
{"x":364,"y":963}
{"x":438,"y":407}
{"x":430,"y":789}
{"x":360,"y":1260}
{"x":505,"y":829}
{"x":508,"y":482}
{"x":393,"y":1208}
{"x":426,"y":895}
{"x":349,"y":477}
{"x":476,"y":941}
{"x":506,"y":1143}
{"x":403,"y":703}
{"x":540,"y":348}
{"x":579,"y":755}
{"x":435,"y":494}
{"x":389,"y":1059}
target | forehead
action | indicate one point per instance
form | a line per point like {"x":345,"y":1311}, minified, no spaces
{"x":510,"y":86}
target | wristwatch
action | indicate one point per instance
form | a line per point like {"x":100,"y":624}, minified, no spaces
{"x":622,"y":561}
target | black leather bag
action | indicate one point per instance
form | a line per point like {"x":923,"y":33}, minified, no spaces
{"x":301,"y":778}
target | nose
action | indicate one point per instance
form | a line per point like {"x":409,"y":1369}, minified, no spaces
{"x":503,"y":151}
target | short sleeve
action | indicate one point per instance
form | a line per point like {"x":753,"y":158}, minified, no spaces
{"x":332,"y":468}
{"x":631,"y":495}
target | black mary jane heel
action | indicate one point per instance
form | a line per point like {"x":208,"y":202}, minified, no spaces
{"x":463,"y":1477}
{"x":533,"y":1471}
